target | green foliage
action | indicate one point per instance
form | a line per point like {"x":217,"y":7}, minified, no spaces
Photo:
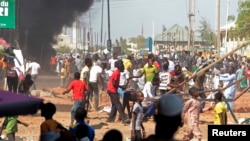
{"x":139,"y":40}
{"x":123,"y":44}
{"x":63,"y":49}
{"x":230,"y":18}
{"x":243,"y":21}
{"x":206,"y":32}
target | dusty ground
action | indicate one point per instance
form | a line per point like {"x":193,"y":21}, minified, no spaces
{"x":97,"y":119}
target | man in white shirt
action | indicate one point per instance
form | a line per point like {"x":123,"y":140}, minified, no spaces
{"x":171,"y":65}
{"x":123,"y":82}
{"x":78,"y":62}
{"x":199,"y":60}
{"x":33,"y":69}
{"x":112,"y":62}
{"x":94,"y":82}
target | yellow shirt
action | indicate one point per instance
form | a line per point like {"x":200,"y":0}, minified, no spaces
{"x":220,"y":107}
{"x":127,"y":64}
{"x":63,"y":73}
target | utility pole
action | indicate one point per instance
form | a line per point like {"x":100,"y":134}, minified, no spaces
{"x":218,"y":28}
{"x":228,"y":2}
{"x":191,"y":19}
{"x":109,"y":43}
{"x":102,"y":25}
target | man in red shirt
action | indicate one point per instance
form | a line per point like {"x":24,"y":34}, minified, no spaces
{"x":112,"y":90}
{"x":53,"y":62}
{"x":79,"y":89}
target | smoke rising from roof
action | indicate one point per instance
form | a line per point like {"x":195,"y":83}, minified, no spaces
{"x":42,"y":20}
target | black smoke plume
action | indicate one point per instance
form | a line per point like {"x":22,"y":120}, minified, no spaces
{"x":41,"y":20}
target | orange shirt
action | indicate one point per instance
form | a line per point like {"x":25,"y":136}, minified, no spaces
{"x":3,"y":63}
{"x":53,"y":60}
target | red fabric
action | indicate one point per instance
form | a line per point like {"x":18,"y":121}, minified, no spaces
{"x":114,"y":77}
{"x":172,"y":72}
{"x":53,"y":60}
{"x":79,"y":87}
{"x":248,"y":74}
{"x":157,"y":65}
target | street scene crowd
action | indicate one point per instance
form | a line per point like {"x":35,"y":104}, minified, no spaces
{"x":158,"y":86}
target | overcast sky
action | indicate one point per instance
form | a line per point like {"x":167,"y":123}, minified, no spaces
{"x":128,"y":16}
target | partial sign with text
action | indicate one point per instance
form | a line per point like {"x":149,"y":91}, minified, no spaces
{"x":218,"y":132}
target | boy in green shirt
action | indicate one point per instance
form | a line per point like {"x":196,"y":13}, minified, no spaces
{"x":10,"y":126}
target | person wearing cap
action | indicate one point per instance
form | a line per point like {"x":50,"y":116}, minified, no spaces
{"x":168,"y":118}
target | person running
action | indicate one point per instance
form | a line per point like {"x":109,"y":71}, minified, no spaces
{"x":10,"y":126}
{"x":79,"y":89}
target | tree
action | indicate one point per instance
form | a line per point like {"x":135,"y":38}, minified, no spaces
{"x":206,"y":32}
{"x":230,"y":18}
{"x":63,"y":49}
{"x":123,"y":44}
{"x":243,"y":20}
{"x":139,"y":40}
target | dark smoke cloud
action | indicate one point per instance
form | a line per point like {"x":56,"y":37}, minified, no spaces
{"x":41,"y":20}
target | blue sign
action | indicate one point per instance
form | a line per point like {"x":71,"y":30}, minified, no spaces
{"x":150,"y":44}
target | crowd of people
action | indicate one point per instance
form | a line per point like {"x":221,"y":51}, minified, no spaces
{"x":151,"y":83}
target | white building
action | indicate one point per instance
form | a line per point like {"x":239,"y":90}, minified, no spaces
{"x":230,"y":43}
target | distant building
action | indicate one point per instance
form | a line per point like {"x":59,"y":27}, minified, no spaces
{"x":63,"y":40}
{"x":230,"y":42}
{"x":174,"y":39}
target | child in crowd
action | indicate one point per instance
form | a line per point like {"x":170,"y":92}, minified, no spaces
{"x":50,"y":129}
{"x":220,"y":110}
{"x":10,"y":127}
{"x":136,"y":124}
{"x":191,"y":113}
{"x":49,"y":124}
{"x":82,"y":133}
{"x":80,"y":116}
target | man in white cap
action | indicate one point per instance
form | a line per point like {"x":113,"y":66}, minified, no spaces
{"x":168,"y":118}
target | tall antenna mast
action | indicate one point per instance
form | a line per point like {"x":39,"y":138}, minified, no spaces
{"x":191,"y":20}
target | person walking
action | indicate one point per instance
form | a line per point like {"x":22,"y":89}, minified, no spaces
{"x":33,"y":69}
{"x":112,"y":90}
{"x":79,"y":89}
